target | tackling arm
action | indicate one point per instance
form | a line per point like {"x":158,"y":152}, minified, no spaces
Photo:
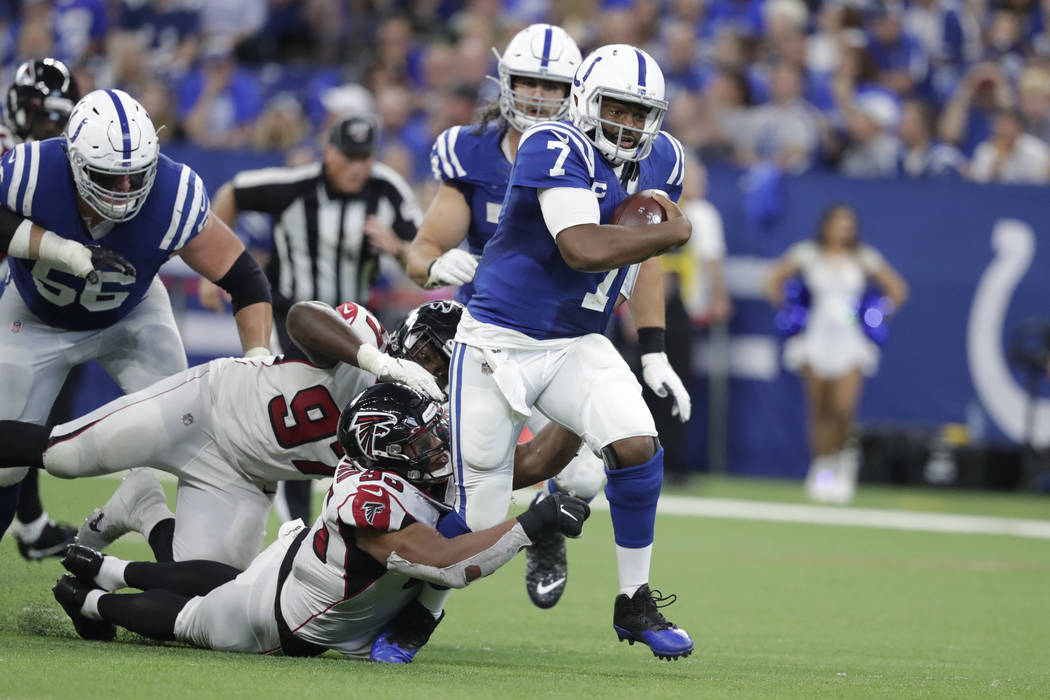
{"x":218,"y":255}
{"x":322,"y":334}
{"x":422,"y":552}
{"x":443,"y":228}
{"x":327,"y":339}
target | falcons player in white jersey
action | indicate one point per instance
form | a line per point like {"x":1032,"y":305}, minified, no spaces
{"x":335,"y":586}
{"x":228,"y":429}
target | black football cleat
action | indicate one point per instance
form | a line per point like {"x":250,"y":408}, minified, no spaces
{"x":51,"y":543}
{"x":70,"y":593}
{"x":638,"y":619}
{"x":406,"y":634}
{"x":546,"y":570}
{"x":84,"y":563}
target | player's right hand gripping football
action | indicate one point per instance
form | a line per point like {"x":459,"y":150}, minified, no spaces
{"x":455,"y":267}
{"x":557,"y":511}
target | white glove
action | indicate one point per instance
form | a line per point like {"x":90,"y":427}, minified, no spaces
{"x":455,"y":267}
{"x":658,"y":375}
{"x":391,"y":369}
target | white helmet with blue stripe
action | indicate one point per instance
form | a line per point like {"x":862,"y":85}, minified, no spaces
{"x":544,"y":52}
{"x":626,"y":74}
{"x":113,"y":152}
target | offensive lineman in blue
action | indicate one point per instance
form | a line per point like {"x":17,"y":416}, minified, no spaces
{"x":72,"y":300}
{"x":548,"y":281}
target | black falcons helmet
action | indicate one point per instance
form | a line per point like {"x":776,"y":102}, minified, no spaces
{"x":435,"y":322}
{"x":40,"y":98}
{"x":391,"y":427}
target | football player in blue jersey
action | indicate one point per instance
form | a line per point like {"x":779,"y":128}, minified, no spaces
{"x":473,"y":165}
{"x":70,"y":299}
{"x":548,"y":281}
{"x":473,"y":162}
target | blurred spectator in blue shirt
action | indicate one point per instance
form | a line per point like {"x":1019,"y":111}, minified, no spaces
{"x":966,"y":119}
{"x":232,"y":21}
{"x":920,"y":156}
{"x":950,"y":32}
{"x":80,"y":29}
{"x":168,"y":29}
{"x":680,"y":63}
{"x":871,"y":118}
{"x":742,"y":16}
{"x":1003,"y":43}
{"x":218,"y":102}
{"x":786,"y":130}
{"x":901,"y":58}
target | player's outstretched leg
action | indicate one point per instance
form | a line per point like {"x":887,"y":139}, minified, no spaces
{"x":138,"y":504}
{"x":633,"y":493}
{"x":546,"y":565}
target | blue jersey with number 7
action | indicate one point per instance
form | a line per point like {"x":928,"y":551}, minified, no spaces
{"x":36,"y":182}
{"x":522,"y":282}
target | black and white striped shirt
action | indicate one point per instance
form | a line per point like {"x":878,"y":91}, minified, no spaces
{"x":320,"y":251}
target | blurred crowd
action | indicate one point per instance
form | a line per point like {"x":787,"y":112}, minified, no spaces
{"x":923,"y":88}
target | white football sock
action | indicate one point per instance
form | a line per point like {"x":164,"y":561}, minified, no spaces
{"x":31,"y":532}
{"x":111,"y":574}
{"x":632,"y":567}
{"x":90,"y":607}
{"x":433,"y":599}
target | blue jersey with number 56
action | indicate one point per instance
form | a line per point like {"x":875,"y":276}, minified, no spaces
{"x":37,"y":183}
{"x":522,"y":282}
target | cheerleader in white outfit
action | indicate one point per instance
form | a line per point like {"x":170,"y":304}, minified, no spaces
{"x":832,"y":352}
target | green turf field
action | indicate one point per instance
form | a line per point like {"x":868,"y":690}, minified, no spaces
{"x":777,"y":610}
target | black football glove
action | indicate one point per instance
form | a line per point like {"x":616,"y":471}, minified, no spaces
{"x":104,"y":258}
{"x":555,"y":512}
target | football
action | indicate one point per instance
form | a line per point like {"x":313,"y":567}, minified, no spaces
{"x":638,"y":209}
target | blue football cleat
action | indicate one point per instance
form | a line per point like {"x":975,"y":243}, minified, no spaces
{"x":638,"y":619}
{"x":405,"y":635}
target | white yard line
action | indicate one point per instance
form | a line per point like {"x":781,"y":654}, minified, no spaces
{"x":847,"y":516}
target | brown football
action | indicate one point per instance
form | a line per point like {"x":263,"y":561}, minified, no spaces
{"x":638,"y":209}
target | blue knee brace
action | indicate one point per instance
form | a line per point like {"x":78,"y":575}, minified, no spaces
{"x":632,"y":493}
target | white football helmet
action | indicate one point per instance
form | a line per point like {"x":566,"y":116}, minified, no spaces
{"x":109,"y":137}
{"x":541,"y":51}
{"x":624,"y":73}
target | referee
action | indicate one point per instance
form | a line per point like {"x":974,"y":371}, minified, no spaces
{"x":332,"y":220}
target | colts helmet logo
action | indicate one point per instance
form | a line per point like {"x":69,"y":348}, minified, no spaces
{"x":368,"y":425}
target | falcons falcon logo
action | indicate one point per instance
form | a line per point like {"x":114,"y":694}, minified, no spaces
{"x":372,"y":509}
{"x":368,"y":425}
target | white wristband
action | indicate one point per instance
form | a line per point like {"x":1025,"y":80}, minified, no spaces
{"x":371,"y":360}
{"x":258,"y":351}
{"x":19,"y":246}
{"x":65,"y":254}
